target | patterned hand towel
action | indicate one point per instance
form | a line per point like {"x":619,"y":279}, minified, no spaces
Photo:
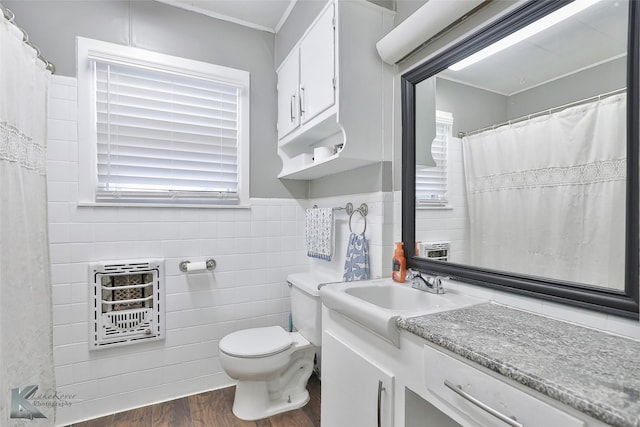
{"x":319,"y":233}
{"x":356,"y":266}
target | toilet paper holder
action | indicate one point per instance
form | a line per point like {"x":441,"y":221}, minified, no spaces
{"x":210,"y":264}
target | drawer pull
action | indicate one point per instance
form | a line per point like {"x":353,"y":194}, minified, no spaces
{"x":380,"y":390}
{"x":458,"y":389}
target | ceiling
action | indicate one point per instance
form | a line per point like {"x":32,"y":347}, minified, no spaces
{"x":265,"y":15}
{"x":556,"y":52}
{"x":538,"y":60}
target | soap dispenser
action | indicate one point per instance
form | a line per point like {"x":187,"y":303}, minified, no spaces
{"x":399,"y":266}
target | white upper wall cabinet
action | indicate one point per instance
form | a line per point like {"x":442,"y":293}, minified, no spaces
{"x":317,"y":67}
{"x":288,"y":104}
{"x":335,"y":93}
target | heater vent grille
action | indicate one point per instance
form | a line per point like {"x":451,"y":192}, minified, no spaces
{"x":131,"y":320}
{"x":126,"y":302}
{"x":434,"y":250}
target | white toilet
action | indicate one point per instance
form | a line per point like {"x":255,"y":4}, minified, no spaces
{"x":272,"y":366}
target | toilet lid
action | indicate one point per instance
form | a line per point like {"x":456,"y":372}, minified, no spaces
{"x":256,"y":342}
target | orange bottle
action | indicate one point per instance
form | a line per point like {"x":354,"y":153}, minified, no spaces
{"x":399,"y":267}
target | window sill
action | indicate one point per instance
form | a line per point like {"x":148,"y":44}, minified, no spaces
{"x":446,"y":207}
{"x":159,"y":205}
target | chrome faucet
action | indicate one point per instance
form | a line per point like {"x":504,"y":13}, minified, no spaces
{"x":431,"y":284}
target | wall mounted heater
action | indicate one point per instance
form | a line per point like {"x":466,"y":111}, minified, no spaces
{"x":126,"y":302}
{"x":436,"y":251}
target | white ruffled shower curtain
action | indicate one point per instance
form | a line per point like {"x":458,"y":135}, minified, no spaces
{"x":26,"y":356}
{"x":547,"y":195}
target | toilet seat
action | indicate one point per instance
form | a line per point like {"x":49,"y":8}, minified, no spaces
{"x":256,"y":342}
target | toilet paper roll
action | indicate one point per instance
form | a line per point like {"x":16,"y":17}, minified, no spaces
{"x":196,"y":267}
{"x":321,"y":153}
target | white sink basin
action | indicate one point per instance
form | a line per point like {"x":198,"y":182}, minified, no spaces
{"x":377,"y":304}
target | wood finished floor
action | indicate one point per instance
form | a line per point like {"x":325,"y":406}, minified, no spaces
{"x":210,"y":409}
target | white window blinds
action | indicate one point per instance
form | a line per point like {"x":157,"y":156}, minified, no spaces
{"x":431,"y":181}
{"x":165,"y":136}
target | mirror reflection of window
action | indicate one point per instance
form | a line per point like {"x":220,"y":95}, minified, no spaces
{"x":431,"y":181}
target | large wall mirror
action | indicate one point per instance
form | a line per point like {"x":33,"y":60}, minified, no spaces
{"x":520,"y":156}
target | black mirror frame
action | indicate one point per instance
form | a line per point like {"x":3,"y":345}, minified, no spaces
{"x":621,"y":303}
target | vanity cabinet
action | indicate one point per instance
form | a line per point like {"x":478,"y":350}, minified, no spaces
{"x":334,"y":91}
{"x":420,"y":385}
{"x":355,"y":390}
{"x":485,"y":400}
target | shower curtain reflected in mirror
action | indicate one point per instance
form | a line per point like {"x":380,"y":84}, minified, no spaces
{"x":26,"y":356}
{"x":547,"y":195}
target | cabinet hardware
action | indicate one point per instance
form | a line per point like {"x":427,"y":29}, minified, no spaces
{"x":302,"y":101}
{"x":292,"y":107}
{"x":380,"y":390}
{"x":458,"y":389}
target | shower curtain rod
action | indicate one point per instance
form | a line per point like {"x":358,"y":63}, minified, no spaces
{"x":10,"y":16}
{"x":544,"y":112}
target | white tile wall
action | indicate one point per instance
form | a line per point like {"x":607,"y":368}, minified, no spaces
{"x":379,"y":232}
{"x":255,"y":250}
{"x":449,"y":224}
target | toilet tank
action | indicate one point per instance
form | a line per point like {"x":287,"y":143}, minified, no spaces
{"x":306,"y":307}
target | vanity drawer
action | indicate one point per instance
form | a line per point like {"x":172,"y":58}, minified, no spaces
{"x":444,"y":373}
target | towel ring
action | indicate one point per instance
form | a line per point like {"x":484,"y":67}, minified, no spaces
{"x":362,"y":210}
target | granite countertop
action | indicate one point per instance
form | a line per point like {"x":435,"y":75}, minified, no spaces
{"x":592,"y":371}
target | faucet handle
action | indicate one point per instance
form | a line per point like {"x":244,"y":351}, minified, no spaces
{"x":412,"y":274}
{"x":437,"y":284}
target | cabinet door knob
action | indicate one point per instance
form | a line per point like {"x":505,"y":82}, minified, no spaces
{"x":458,"y":390}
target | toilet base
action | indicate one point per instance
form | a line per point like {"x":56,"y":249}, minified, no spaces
{"x":283,"y":392}
{"x":252,"y":401}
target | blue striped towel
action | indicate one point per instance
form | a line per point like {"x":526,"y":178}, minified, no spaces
{"x":356,"y":266}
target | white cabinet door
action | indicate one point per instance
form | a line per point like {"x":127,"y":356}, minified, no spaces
{"x":355,"y":392}
{"x":288,"y":97}
{"x":317,"y":67}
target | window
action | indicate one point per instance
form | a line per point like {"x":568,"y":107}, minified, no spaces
{"x":431,"y":181}
{"x":160,"y":129}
